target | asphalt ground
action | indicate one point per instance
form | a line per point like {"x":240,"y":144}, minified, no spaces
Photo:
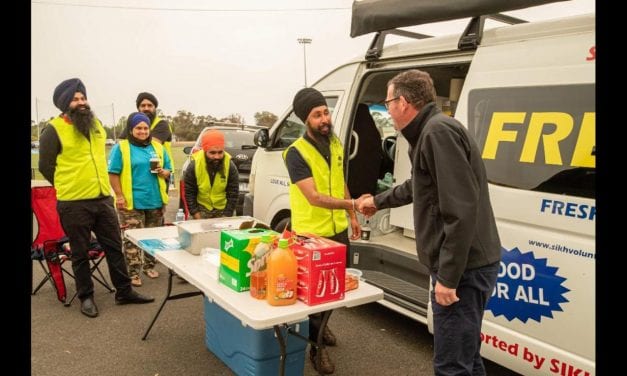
{"x":372,"y":340}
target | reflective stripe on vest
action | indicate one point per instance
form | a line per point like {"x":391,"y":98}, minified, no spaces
{"x":81,"y":171}
{"x":307,"y":218}
{"x":126,"y":175}
{"x":211,"y":197}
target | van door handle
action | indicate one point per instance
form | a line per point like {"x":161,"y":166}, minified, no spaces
{"x":355,"y":145}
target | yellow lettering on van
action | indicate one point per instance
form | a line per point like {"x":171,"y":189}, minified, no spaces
{"x":582,"y":156}
{"x":497,"y":134}
{"x":563,"y":126}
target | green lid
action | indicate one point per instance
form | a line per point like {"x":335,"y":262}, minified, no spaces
{"x":283,"y":243}
{"x":267,"y":238}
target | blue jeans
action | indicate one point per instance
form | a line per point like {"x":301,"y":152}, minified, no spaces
{"x":457,"y":327}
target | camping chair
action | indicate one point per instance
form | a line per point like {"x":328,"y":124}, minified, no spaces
{"x":52,"y":246}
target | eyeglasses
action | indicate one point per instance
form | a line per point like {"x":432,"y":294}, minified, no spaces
{"x":387,"y":103}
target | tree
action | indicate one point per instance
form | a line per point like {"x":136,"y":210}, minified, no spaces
{"x":36,"y":129}
{"x":233,"y":118}
{"x":265,"y":118}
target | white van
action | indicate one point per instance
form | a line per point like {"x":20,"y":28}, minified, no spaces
{"x":526,"y":92}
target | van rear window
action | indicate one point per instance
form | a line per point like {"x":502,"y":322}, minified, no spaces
{"x":537,"y":138}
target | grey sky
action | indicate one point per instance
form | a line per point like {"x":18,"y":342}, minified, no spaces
{"x":208,"y":57}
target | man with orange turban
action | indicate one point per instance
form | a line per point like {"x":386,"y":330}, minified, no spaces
{"x":211,"y":179}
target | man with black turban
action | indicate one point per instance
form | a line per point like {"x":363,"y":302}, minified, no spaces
{"x":319,"y":197}
{"x":72,"y":158}
{"x":160,"y":129}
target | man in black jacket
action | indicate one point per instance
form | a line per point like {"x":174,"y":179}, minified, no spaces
{"x":456,"y":235}
{"x":211,"y":179}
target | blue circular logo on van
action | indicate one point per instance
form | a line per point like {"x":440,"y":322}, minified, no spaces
{"x":526,"y":288}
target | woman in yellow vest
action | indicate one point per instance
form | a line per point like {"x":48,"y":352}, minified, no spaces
{"x":211,"y":179}
{"x":140,"y":189}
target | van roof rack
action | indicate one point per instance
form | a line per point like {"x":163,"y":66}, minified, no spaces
{"x":234,"y":125}
{"x":386,"y":16}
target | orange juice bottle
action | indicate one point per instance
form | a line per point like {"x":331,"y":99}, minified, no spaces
{"x":281,"y":276}
{"x":258,"y":267}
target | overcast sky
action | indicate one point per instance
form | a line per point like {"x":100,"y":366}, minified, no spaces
{"x":204,"y":56}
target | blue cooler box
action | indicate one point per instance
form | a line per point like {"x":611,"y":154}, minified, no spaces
{"x":252,"y":352}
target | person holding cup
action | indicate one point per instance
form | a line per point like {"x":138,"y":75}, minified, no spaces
{"x":138,"y":171}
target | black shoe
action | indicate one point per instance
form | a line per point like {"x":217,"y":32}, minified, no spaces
{"x":133,"y":297}
{"x":88,"y":307}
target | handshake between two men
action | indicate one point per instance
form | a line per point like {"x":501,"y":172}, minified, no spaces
{"x":365,"y":205}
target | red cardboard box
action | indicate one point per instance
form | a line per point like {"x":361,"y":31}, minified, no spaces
{"x":321,"y":269}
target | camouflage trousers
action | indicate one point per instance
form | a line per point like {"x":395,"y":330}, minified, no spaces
{"x":139,"y":218}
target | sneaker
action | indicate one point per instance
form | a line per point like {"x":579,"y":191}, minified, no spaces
{"x":328,"y":338}
{"x":136,"y":281}
{"x":326,"y":365}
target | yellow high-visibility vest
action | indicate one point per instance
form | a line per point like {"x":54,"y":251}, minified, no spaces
{"x":211,"y":196}
{"x":126,"y":175}
{"x":81,"y":171}
{"x":307,"y":218}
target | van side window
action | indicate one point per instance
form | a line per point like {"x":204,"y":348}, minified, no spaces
{"x":292,"y":127}
{"x":537,"y":138}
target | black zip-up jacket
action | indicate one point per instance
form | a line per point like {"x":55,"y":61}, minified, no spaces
{"x":191,"y":186}
{"x":453,"y":218}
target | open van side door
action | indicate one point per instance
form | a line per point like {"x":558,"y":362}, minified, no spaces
{"x":270,"y":189}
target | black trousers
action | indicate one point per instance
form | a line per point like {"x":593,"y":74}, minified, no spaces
{"x":315,"y":320}
{"x":457,"y":327}
{"x":79,"y":219}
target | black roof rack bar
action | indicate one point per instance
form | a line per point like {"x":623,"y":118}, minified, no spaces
{"x":234,"y":125}
{"x":506,"y":19}
{"x":471,"y":38}
{"x":376,"y":46}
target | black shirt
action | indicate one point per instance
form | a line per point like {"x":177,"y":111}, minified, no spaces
{"x":297,"y":167}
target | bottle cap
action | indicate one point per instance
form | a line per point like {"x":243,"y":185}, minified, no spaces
{"x":283,"y":243}
{"x":267,"y":238}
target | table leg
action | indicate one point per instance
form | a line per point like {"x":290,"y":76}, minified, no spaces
{"x":169,"y":297}
{"x":318,"y":343}
{"x":282,"y":348}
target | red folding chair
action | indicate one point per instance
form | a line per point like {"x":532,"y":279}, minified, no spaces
{"x":52,"y":246}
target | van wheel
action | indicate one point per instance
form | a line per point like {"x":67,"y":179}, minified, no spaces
{"x":283,"y":224}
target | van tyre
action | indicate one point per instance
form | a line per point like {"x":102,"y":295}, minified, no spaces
{"x":281,"y":225}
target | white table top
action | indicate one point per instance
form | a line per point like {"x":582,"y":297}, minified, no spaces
{"x":257,"y":314}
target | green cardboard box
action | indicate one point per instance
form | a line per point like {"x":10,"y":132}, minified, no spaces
{"x":236,"y":248}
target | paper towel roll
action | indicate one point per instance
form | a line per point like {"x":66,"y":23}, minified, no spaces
{"x":455,"y":89}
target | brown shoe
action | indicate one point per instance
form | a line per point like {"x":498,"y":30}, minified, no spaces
{"x":328,"y":337}
{"x":326,"y":365}
{"x":136,"y":281}
{"x":151,"y":273}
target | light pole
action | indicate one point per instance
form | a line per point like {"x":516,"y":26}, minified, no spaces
{"x":114,"y":123}
{"x":305,"y":42}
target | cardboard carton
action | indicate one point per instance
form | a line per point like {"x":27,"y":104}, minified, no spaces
{"x":197,"y":234}
{"x":321,"y":269}
{"x":236,"y":248}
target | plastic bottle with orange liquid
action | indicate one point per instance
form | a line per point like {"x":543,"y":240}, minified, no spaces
{"x":281,"y":276}
{"x":258,"y":261}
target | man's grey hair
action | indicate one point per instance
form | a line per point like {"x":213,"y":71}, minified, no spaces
{"x":415,"y":86}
